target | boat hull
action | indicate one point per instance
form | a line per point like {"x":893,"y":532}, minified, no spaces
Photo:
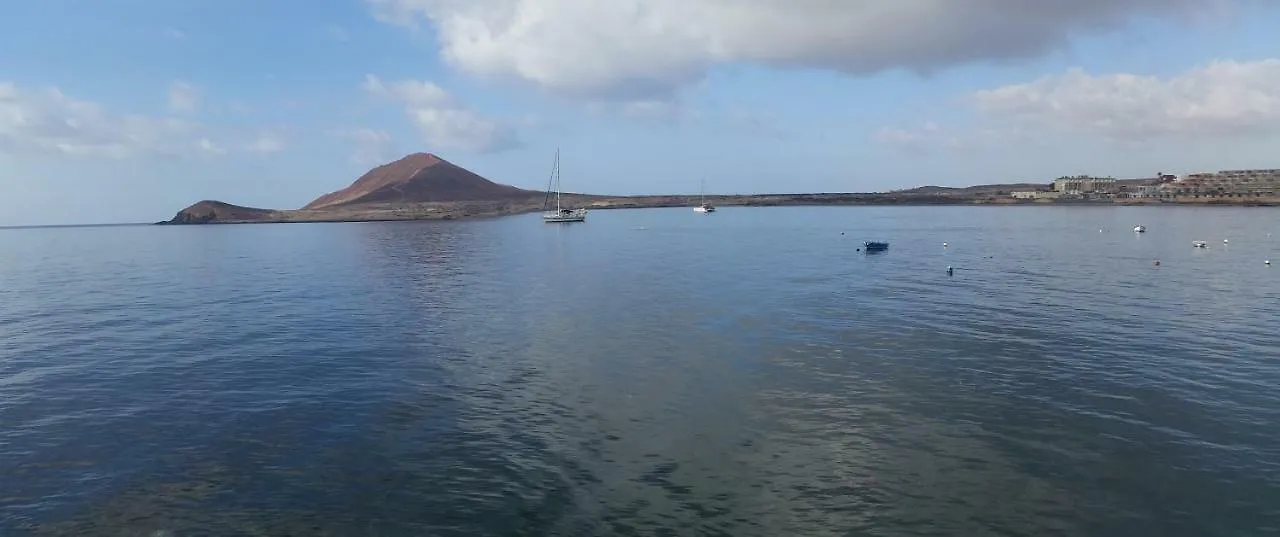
{"x":874,"y":246}
{"x":565,"y":217}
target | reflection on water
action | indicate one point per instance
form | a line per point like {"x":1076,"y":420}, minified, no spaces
{"x":751,"y":373}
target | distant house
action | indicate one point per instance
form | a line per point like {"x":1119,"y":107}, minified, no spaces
{"x":1146,"y":191}
{"x":1227,"y":183}
{"x":1034,"y":194}
{"x":1084,"y":184}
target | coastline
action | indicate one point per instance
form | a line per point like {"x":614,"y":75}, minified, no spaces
{"x":206,"y":213}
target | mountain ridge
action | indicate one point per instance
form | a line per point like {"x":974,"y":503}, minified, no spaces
{"x":418,"y":178}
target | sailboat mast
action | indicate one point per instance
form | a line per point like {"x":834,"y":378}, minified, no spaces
{"x":557,"y":180}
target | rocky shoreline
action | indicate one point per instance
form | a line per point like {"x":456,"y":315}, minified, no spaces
{"x":212,"y":212}
{"x":423,"y":186}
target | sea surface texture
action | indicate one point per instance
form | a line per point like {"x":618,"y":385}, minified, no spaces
{"x":654,"y":372}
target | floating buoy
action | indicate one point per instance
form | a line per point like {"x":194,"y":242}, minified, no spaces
{"x":944,"y":245}
{"x":1224,"y":241}
{"x":950,"y":271}
{"x":1157,"y":262}
{"x":1267,"y":262}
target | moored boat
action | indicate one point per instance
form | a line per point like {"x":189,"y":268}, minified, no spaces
{"x":560,"y":214}
{"x":703,"y":206}
{"x":875,"y":246}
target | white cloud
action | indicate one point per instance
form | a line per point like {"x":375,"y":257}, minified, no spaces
{"x":1225,"y":99}
{"x":267,"y":142}
{"x":640,"y":49}
{"x":50,"y":122}
{"x":411,"y":92}
{"x":183,"y":97}
{"x":661,"y":110}
{"x":929,"y":136}
{"x":369,"y":146}
{"x":443,"y":122}
{"x":207,"y":147}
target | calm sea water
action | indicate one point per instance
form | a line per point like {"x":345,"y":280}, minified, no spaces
{"x":658,"y":372}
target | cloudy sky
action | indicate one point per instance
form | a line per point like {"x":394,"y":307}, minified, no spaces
{"x":128,"y":110}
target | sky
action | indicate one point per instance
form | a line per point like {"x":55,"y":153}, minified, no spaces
{"x":118,"y":111}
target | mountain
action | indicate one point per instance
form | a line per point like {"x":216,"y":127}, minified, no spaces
{"x":417,"y":187}
{"x":419,"y":178}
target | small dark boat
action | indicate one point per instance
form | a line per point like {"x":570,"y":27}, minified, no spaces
{"x":873,"y":246}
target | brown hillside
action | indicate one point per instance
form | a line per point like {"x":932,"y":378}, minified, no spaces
{"x":208,"y":211}
{"x":420,"y":177}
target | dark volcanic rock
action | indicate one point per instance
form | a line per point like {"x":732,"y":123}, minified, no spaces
{"x":209,"y":211}
{"x":419,"y":178}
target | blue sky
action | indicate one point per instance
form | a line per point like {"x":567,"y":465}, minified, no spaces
{"x":128,"y":110}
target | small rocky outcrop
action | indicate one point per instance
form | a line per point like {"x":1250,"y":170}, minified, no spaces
{"x":217,"y":212}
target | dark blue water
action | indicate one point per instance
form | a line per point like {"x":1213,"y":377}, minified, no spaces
{"x":648,"y":373}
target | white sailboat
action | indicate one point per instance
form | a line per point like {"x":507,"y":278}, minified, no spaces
{"x":703,"y":206}
{"x":560,"y":214}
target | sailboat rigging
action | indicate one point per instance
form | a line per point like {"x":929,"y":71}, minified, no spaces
{"x":560,"y":214}
{"x":703,"y":206}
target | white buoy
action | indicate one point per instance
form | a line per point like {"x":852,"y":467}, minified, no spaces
{"x":1267,"y":262}
{"x":950,"y":270}
{"x":1224,"y":241}
{"x":944,"y":245}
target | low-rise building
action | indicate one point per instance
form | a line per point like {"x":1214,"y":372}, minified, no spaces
{"x":1145,"y":191}
{"x":1035,"y":194}
{"x":1084,"y":184}
{"x":1227,"y":183}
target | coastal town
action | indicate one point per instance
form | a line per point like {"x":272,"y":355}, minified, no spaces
{"x":1222,"y":185}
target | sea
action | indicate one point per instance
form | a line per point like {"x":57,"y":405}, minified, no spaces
{"x":751,"y":372}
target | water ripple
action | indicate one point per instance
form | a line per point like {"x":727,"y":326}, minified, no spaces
{"x":749,"y":373}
